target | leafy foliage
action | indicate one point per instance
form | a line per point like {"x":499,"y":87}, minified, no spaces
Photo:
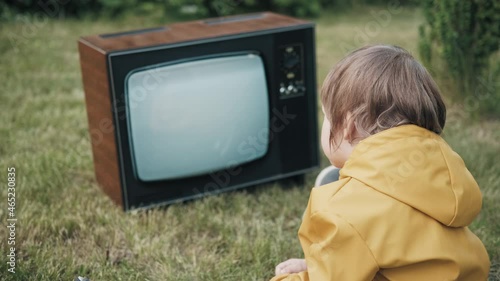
{"x":67,"y":8}
{"x":465,"y":35}
{"x":190,"y":8}
{"x":201,"y":8}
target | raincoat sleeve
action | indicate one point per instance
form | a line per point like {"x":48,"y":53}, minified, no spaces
{"x":333,"y":250}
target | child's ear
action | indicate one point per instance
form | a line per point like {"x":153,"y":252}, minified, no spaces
{"x":350,"y":132}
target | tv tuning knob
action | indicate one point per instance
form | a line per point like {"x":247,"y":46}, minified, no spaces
{"x":282,"y":88}
{"x":291,"y":60}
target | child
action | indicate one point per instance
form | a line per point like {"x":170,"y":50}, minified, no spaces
{"x":404,"y":198}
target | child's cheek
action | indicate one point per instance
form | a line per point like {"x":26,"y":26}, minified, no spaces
{"x":325,"y":138}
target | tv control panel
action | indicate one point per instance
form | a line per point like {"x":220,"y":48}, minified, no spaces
{"x":291,"y":73}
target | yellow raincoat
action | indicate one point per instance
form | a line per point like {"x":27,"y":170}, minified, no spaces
{"x":399,"y":211}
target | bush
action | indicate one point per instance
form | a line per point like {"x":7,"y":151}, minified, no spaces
{"x":301,"y":8}
{"x":465,"y":36}
{"x":190,"y":8}
{"x":215,"y":8}
{"x":68,"y":8}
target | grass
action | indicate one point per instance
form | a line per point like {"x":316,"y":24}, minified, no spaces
{"x":67,"y":227}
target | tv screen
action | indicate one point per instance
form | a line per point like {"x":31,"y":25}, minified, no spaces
{"x":192,"y":117}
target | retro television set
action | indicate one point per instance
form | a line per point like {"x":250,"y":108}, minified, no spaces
{"x":195,"y":108}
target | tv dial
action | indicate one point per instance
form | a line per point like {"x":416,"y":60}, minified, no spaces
{"x":291,"y":60}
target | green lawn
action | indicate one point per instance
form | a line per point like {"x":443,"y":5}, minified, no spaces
{"x":67,"y":227}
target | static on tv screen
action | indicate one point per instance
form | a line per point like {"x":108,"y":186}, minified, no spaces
{"x":192,"y":118}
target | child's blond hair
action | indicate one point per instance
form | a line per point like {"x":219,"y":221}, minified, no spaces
{"x":381,"y":87}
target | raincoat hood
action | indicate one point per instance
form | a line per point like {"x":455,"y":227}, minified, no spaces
{"x":427,"y":174}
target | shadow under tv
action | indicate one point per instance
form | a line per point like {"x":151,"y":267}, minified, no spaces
{"x":202,"y":107}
